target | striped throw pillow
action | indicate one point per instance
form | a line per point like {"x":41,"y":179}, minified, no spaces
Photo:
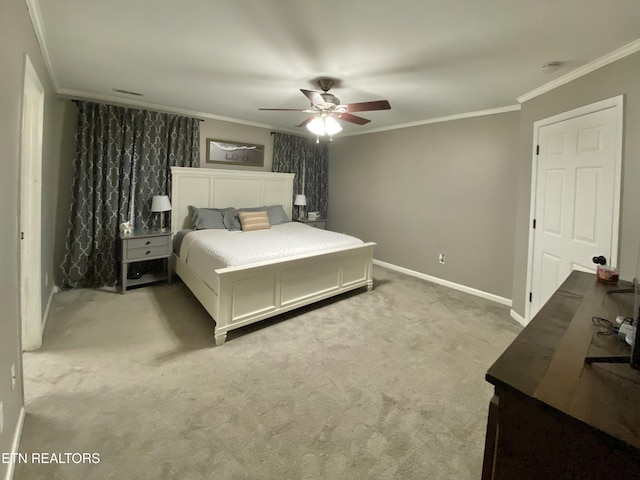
{"x":253,"y":221}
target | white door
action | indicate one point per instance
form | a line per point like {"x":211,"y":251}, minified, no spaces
{"x":31,"y":209}
{"x":576,"y":200}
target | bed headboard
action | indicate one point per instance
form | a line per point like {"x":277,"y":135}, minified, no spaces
{"x":216,"y":188}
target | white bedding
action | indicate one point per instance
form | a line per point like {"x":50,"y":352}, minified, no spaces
{"x":207,"y":250}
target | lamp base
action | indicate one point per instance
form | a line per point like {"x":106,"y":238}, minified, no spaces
{"x":158,"y":223}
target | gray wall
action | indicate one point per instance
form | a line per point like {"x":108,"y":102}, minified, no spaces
{"x":17,"y":38}
{"x":621,"y":77}
{"x":440,"y":188}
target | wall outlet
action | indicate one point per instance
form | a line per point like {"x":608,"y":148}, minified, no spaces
{"x":441,"y":258}
{"x":1,"y":417}
{"x":13,"y":377}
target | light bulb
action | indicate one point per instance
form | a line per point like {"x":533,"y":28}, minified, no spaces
{"x":324,"y":125}
{"x":316,"y":126}
{"x":331,"y":126}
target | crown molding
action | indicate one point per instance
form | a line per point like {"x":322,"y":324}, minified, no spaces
{"x":36,"y":20}
{"x":114,"y":100}
{"x":611,"y":57}
{"x":448,"y":118}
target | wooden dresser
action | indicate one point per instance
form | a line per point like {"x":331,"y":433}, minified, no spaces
{"x":552,"y":416}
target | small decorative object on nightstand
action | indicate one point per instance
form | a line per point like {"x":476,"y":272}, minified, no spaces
{"x":319,"y":223}
{"x":141,"y":245}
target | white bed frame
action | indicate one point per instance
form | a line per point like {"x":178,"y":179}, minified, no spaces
{"x":251,"y":293}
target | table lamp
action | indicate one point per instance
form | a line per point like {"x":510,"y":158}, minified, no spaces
{"x":300,"y":202}
{"x":159,"y":205}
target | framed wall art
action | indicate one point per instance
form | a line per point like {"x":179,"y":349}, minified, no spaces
{"x":234,"y":153}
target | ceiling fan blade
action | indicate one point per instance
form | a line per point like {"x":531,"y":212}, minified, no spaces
{"x":368,"y":106}
{"x":285,"y":109}
{"x":353,"y":119}
{"x":315,"y":97}
{"x":304,"y":124}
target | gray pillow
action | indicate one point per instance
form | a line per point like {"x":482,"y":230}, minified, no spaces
{"x":276,"y":214}
{"x":207,"y":218}
{"x":231,"y":220}
{"x":192,"y":214}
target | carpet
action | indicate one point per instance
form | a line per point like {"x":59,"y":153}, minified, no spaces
{"x":387,"y":384}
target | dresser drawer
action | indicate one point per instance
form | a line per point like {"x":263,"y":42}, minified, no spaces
{"x":148,"y":242}
{"x":148,"y":252}
{"x":145,"y":245}
{"x":319,"y":224}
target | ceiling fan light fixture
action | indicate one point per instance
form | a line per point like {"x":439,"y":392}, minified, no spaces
{"x":324,"y":125}
{"x":332,"y":126}
{"x":316,"y":126}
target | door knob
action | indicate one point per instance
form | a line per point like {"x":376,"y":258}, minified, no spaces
{"x":600,"y":260}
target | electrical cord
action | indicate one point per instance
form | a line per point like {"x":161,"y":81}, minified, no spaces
{"x":609,"y":328}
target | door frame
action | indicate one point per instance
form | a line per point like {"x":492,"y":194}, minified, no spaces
{"x":30,"y":213}
{"x":613,"y":102}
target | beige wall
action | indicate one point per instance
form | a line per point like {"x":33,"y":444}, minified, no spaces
{"x":440,"y":188}
{"x":621,"y":77}
{"x":17,"y":38}
{"x":220,"y":130}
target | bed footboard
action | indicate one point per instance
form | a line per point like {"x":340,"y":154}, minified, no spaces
{"x":252,"y":293}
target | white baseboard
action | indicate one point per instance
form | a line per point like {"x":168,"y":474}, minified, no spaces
{"x":446,"y":283}
{"x":45,"y":317}
{"x":518,"y":318}
{"x":11,"y":466}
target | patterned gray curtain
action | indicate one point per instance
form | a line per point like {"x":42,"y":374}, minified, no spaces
{"x":310,"y":162}
{"x":123,"y":159}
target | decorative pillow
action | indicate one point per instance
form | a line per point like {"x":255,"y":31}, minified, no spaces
{"x":254,"y":221}
{"x":276,"y":214}
{"x":208,"y":218}
{"x":231,"y":220}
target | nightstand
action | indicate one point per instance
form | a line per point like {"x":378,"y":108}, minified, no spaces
{"x":143,"y":245}
{"x":321,"y":223}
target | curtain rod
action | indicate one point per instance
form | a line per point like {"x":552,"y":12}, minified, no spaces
{"x":76,"y":101}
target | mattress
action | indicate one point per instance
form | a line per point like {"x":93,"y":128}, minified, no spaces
{"x":204,"y":251}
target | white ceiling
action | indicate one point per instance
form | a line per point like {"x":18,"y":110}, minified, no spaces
{"x":226,"y":58}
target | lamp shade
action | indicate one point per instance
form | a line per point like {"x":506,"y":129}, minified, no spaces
{"x":160,"y":203}
{"x":324,"y":125}
{"x":331,"y":126}
{"x":300,"y":201}
{"x":316,"y":126}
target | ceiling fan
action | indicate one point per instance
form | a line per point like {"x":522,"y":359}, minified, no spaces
{"x":326,"y":108}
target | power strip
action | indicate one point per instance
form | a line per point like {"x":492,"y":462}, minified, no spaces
{"x":620,"y":320}
{"x":626,"y":329}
